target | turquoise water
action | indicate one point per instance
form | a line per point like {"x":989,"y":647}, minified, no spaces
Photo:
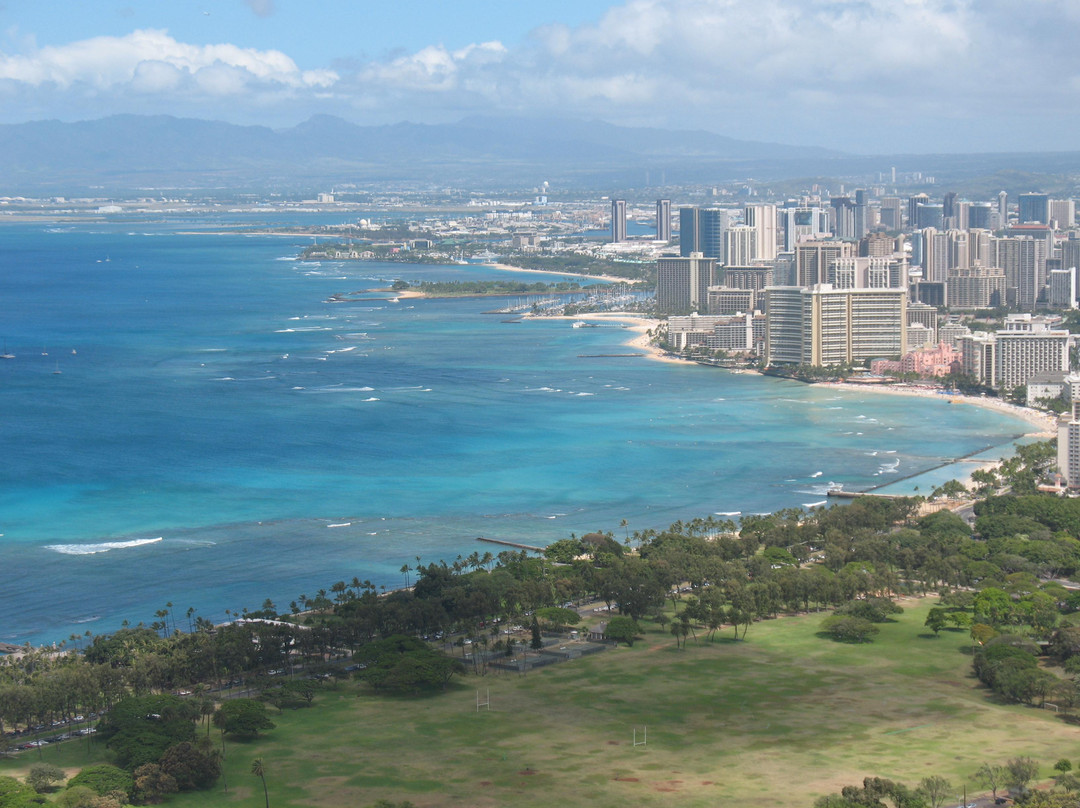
{"x":219,"y":433}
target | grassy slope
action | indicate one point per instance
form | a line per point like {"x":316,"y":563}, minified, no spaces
{"x":776,"y":720}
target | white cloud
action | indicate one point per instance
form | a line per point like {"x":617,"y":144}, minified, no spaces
{"x":149,"y":57}
{"x":434,"y":68}
{"x":823,"y":71}
{"x":860,"y":74}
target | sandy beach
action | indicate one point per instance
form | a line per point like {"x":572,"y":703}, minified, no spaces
{"x":1045,"y":424}
{"x":639,"y":326}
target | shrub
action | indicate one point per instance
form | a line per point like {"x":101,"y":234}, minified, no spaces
{"x":44,"y":776}
{"x":848,"y":629}
{"x":104,"y":779}
{"x":876,"y":610}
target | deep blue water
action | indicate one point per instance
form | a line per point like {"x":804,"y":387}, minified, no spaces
{"x":209,"y":395}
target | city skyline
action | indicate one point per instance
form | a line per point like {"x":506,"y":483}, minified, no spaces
{"x":869,"y":77}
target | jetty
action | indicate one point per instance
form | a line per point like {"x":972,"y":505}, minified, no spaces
{"x":505,"y":543}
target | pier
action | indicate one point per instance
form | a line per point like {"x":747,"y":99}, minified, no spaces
{"x":505,"y":543}
{"x":870,"y":492}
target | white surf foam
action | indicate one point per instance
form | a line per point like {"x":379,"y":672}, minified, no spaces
{"x":102,"y":547}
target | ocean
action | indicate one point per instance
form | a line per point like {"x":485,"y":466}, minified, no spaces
{"x":187,"y":419}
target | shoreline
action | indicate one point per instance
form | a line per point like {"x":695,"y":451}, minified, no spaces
{"x":511,"y":268}
{"x":1045,"y":424}
{"x":639,"y":325}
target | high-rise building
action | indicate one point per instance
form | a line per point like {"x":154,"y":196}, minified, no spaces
{"x":877,"y":272}
{"x":1018,"y":257}
{"x":980,"y":215}
{"x":1002,"y":209}
{"x":1068,"y":434}
{"x":932,"y":293}
{"x":826,"y":326}
{"x":740,"y":245}
{"x":723,"y":300}
{"x":763,"y":219}
{"x":752,"y":277}
{"x":961,"y":218}
{"x":978,"y":357}
{"x":702,"y":230}
{"x":663,"y":220}
{"x":618,"y":220}
{"x":956,"y":247}
{"x":1062,"y":213}
{"x":979,"y":247}
{"x":877,"y":244}
{"x":784,"y":273}
{"x":927,"y":215}
{"x":1070,"y":252}
{"x":803,"y":224}
{"x":689,"y":231}
{"x":843,"y":214}
{"x":812,"y":259}
{"x":913,"y":210}
{"x":1028,"y":345}
{"x":925,"y":316}
{"x":976,"y":288}
{"x":933,"y":254}
{"x":682,"y":284}
{"x":1062,"y":288}
{"x":1034,"y":207}
{"x":784,"y":325}
{"x":891,"y":216}
{"x":862,"y":209}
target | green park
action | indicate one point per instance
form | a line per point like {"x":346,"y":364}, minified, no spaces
{"x":781,"y":717}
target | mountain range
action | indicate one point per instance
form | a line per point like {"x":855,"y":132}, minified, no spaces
{"x":156,"y":153}
{"x":160,"y":151}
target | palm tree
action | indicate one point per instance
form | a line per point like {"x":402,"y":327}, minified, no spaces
{"x":259,"y":771}
{"x":405,"y":571}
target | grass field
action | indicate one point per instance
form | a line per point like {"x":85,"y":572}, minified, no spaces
{"x":776,"y":720}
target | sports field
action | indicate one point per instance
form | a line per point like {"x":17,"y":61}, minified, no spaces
{"x":778,"y":719}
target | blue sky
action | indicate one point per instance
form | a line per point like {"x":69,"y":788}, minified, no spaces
{"x":869,"y":76}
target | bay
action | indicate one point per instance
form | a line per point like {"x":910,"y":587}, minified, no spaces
{"x":219,"y":433}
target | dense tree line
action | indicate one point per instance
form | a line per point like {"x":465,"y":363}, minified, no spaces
{"x":696,"y":578}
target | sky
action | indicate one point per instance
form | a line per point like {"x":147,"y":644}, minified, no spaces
{"x":865,"y":76}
